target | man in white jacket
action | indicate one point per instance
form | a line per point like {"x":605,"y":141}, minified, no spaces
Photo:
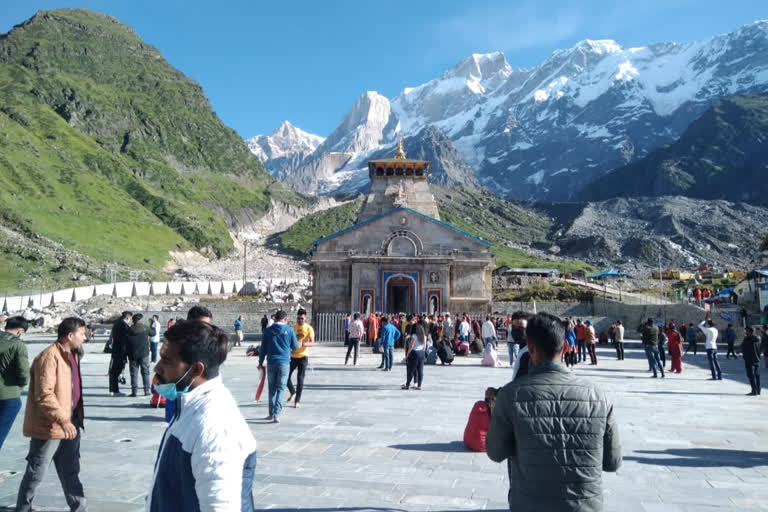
{"x":207,"y":458}
{"x":710,"y":331}
{"x":488,"y":332}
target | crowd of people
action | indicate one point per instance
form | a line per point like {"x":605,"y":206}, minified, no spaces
{"x":207,"y":456}
{"x":702,"y":295}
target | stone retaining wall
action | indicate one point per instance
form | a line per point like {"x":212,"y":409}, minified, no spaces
{"x":225,"y":313}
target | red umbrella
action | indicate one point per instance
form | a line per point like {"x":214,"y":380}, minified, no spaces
{"x":260,"y":389}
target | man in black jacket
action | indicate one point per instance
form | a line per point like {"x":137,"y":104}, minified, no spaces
{"x":117,"y":361}
{"x":750,"y":349}
{"x":137,"y":350}
{"x":650,"y":337}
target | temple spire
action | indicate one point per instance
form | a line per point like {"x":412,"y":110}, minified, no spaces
{"x":400,"y":153}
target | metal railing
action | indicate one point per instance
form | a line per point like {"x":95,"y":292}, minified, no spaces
{"x":329,"y":327}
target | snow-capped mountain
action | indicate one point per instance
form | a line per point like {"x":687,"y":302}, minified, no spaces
{"x":287,"y":144}
{"x":547,"y":131}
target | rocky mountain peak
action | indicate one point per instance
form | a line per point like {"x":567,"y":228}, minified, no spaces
{"x":367,"y":124}
{"x":599,"y":46}
{"x":285,"y":142}
{"x":481,"y":66}
{"x":285,"y":129}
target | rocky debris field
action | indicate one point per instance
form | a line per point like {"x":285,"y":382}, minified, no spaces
{"x":263,"y":261}
{"x":632,"y":234}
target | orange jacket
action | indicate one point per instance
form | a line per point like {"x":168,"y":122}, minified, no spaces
{"x":49,"y":401}
{"x":589,"y":334}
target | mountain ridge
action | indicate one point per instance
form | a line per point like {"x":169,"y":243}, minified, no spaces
{"x":722,"y":155}
{"x":545,"y":131}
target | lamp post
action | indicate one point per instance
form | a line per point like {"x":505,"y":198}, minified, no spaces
{"x":661,"y":277}
{"x":245,"y":264}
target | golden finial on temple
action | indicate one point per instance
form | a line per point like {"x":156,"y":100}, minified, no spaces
{"x":400,"y":153}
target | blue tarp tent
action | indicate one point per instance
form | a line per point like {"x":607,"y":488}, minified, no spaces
{"x":608,"y":273}
{"x":726,"y":291}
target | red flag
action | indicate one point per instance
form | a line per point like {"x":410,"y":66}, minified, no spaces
{"x":260,"y":389}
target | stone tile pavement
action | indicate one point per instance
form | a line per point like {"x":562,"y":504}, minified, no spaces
{"x":360,"y":443}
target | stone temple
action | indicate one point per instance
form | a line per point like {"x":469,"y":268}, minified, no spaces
{"x":399,"y":257}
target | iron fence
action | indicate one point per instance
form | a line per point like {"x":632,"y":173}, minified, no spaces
{"x":329,"y":327}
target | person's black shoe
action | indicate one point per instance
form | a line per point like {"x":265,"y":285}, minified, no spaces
{"x":751,"y":393}
{"x":662,"y":375}
{"x":380,"y":367}
{"x":720,"y":377}
{"x":132,"y":395}
{"x":654,"y":376}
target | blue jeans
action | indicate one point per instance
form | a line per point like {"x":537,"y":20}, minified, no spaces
{"x":514,"y":349}
{"x":389,"y":356}
{"x":492,"y":341}
{"x":654,"y":359}
{"x":8,"y":411}
{"x":415,"y":368}
{"x":714,"y":366}
{"x":277,"y":378}
{"x":753,"y":374}
{"x":582,"y":349}
{"x":153,"y":348}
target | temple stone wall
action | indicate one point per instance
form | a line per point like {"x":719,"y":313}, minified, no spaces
{"x":331,"y":286}
{"x":449,"y":269}
{"x":388,"y":192}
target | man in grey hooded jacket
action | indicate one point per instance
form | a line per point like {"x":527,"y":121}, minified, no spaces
{"x":557,"y":431}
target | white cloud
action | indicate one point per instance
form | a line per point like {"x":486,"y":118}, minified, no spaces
{"x":509,"y":28}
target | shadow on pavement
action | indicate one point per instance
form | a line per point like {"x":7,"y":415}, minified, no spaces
{"x":156,"y":419}
{"x":453,"y":446}
{"x":355,"y":509}
{"x":347,"y":387}
{"x":702,"y":457}
{"x":681,"y":393}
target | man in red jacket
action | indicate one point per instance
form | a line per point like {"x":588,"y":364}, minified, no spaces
{"x":581,"y":342}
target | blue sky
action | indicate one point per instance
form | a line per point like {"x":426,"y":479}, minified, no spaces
{"x":306,"y":61}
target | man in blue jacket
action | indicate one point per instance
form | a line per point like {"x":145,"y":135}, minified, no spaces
{"x":389,"y":335}
{"x":279,"y":340}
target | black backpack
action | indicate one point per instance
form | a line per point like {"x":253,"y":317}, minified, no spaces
{"x":444,"y":352}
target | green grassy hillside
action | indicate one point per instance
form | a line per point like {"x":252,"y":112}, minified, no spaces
{"x":108,"y":150}
{"x":299,"y":237}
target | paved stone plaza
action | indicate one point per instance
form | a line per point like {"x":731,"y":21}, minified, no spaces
{"x":360,"y":443}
